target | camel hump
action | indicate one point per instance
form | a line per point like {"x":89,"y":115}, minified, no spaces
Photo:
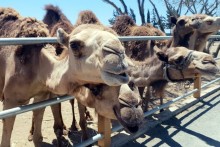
{"x":122,"y":24}
{"x":7,"y":14}
{"x":126,"y":20}
{"x":53,"y":16}
{"x":31,"y":27}
{"x":87,"y":17}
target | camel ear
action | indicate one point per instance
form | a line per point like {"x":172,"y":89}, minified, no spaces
{"x":62,"y":37}
{"x":173,"y":20}
{"x":160,"y":54}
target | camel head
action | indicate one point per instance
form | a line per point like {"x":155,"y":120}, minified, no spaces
{"x":129,"y":113}
{"x":182,"y":25}
{"x":206,"y":24}
{"x":122,"y":103}
{"x":98,"y":53}
{"x":181,"y":63}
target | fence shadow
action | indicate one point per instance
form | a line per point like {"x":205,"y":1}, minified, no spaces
{"x":161,"y":135}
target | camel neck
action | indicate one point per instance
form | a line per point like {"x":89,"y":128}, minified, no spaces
{"x":54,"y":73}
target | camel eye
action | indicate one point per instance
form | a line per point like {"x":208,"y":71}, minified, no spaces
{"x":181,"y":22}
{"x":179,"y":60}
{"x":209,"y":22}
{"x":76,"y":44}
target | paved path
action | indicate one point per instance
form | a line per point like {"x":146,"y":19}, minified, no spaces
{"x":199,"y":126}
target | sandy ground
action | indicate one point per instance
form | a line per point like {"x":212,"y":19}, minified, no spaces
{"x":23,"y":122}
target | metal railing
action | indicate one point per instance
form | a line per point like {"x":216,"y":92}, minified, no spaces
{"x":39,"y":40}
{"x":102,"y":141}
{"x":34,"y":106}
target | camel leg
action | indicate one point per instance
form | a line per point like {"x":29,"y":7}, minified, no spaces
{"x":59,"y":127}
{"x":74,"y":123}
{"x":38,"y":119}
{"x":82,"y":121}
{"x":161,"y":95}
{"x":8,"y":124}
{"x":88,"y":115}
{"x":141,"y":91}
{"x":146,"y":99}
{"x":30,"y":137}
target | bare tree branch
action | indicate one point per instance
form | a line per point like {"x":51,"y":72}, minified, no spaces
{"x":158,"y":16}
{"x":179,"y":9}
{"x":168,"y":8}
{"x":141,"y":10}
{"x":125,"y":6}
{"x":114,"y":5}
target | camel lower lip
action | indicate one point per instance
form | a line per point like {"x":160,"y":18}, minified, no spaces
{"x":129,"y":129}
{"x":207,"y":72}
{"x":123,"y":77}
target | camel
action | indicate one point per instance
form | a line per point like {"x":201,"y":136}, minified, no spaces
{"x":208,"y":25}
{"x":101,"y":97}
{"x":138,"y":50}
{"x":122,"y":103}
{"x":173,"y":64}
{"x":86,"y":61}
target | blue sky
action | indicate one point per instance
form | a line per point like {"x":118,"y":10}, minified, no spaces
{"x":71,"y":8}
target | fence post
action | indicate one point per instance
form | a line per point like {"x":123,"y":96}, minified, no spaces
{"x":197,"y":85}
{"x":104,"y":127}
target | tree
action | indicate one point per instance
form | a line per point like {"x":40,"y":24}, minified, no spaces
{"x":158,"y":16}
{"x":118,"y":10}
{"x":148,"y":16}
{"x":209,"y":7}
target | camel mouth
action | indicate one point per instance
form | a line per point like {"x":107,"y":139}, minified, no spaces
{"x":113,"y":79}
{"x":210,"y":72}
{"x":128,"y":127}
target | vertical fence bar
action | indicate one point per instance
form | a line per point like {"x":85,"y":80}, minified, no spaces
{"x":104,"y":127}
{"x":197,"y":85}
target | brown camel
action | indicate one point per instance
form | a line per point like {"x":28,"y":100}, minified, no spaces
{"x":90,"y":48}
{"x":122,"y":103}
{"x":98,"y":97}
{"x":173,"y":64}
{"x":208,"y":25}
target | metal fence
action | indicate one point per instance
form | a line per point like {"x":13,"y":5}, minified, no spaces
{"x":39,"y":40}
{"x":103,"y":141}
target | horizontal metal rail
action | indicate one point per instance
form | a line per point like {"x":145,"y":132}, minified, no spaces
{"x":148,"y":113}
{"x":34,"y":106}
{"x":27,"y":40}
{"x":40,"y":40}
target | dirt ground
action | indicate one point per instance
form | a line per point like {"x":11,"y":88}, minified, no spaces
{"x":23,"y":121}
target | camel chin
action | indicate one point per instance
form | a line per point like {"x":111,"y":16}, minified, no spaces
{"x":208,"y":73}
{"x":129,"y":118}
{"x":113,"y":79}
